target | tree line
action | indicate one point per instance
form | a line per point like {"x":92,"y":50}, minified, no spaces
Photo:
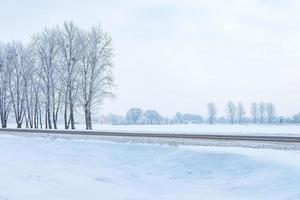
{"x":62,"y":69}
{"x":259,"y":113}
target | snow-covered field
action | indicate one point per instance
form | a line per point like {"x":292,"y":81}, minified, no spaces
{"x":205,"y":128}
{"x":41,"y":168}
{"x":265,"y":129}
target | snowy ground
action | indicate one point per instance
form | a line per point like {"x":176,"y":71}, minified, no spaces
{"x":265,"y":129}
{"x":205,"y":128}
{"x":41,"y":168}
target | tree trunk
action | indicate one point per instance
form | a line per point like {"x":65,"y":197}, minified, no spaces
{"x":19,"y":125}
{"x":46,"y":120}
{"x":49,"y":117}
{"x":72,"y":116}
{"x":66,"y":113}
{"x":54,"y":118}
{"x":90,"y":120}
{"x":71,"y":112}
{"x":88,"y":117}
{"x":4,"y":123}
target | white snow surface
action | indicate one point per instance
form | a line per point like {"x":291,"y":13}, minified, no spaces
{"x":42,"y":168}
{"x":233,"y":129}
{"x":249,"y":129}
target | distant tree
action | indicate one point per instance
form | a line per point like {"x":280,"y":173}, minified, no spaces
{"x":296,"y":118}
{"x":115,"y":119}
{"x":212,"y":113}
{"x":178,"y":118}
{"x":152,"y":116}
{"x":254,"y":112}
{"x":270,"y":108}
{"x":241,"y":112}
{"x":133,"y":115}
{"x":261,"y":110}
{"x":231,"y":112}
{"x":191,"y":118}
{"x":222,"y":120}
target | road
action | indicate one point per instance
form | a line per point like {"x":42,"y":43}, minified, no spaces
{"x":227,"y":137}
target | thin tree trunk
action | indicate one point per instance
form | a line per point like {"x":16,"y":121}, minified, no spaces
{"x":66,"y":114}
{"x":72,"y":115}
{"x":40,"y":117}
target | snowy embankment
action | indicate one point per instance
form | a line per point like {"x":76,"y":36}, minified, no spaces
{"x":41,"y":168}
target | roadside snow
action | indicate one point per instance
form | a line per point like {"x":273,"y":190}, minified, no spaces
{"x":249,"y":129}
{"x":206,"y":128}
{"x":43,"y":168}
{"x":287,"y":129}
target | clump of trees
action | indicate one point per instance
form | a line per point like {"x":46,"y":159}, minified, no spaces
{"x":260,"y":112}
{"x":62,"y":69}
{"x":137,"y":116}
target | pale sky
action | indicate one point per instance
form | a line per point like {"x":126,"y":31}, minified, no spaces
{"x":178,"y":55}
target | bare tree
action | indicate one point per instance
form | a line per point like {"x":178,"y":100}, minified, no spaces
{"x":28,"y":71}
{"x":68,"y":41}
{"x":152,"y":117}
{"x":178,"y":118}
{"x":95,"y":70}
{"x":5,"y":101}
{"x":270,"y":108}
{"x":231,"y":112}
{"x":262,"y":109}
{"x":47,"y":51}
{"x":241,"y":112}
{"x":17,"y":60}
{"x":254,"y":112}
{"x":61,"y":65}
{"x":37,"y":113}
{"x":212,"y":113}
{"x":133,"y":115}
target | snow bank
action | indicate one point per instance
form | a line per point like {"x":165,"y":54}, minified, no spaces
{"x":39,"y":168}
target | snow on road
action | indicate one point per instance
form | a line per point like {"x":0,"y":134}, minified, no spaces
{"x":41,"y":168}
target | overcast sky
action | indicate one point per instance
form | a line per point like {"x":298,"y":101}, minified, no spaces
{"x":178,"y":55}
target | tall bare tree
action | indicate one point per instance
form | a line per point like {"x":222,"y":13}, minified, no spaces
{"x":5,"y":101}
{"x":68,"y":41}
{"x":17,"y":60}
{"x":47,"y":51}
{"x":28,"y":73}
{"x":95,"y":64}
